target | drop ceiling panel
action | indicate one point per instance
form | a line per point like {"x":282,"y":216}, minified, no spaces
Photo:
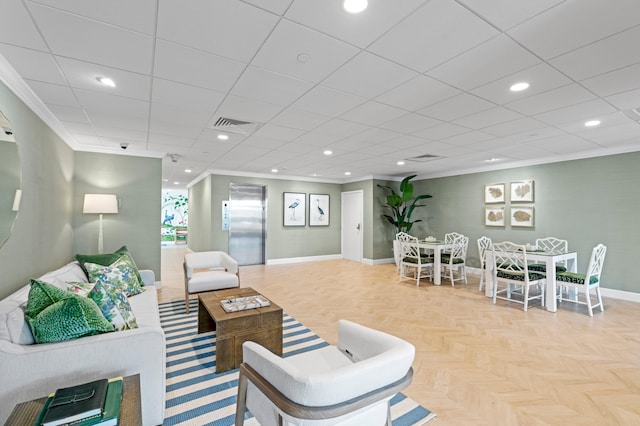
{"x":266,"y":86}
{"x":33,"y":65}
{"x":262,"y":142}
{"x":338,"y":129}
{"x":325,"y":101}
{"x":612,"y":135}
{"x":281,"y":50}
{"x":566,"y":144}
{"x":418,"y":93}
{"x":615,"y":52}
{"x":508,"y":13}
{"x":54,"y":94}
{"x":204,"y":25}
{"x":578,"y":113}
{"x":84,"y":75}
{"x":491,"y":60}
{"x":625,"y":100}
{"x":441,"y":131}
{"x":278,"y":132}
{"x":542,"y":78}
{"x":410,"y":123}
{"x":513,"y":127}
{"x":468,"y":138}
{"x":368,"y":75}
{"x":573,"y":24}
{"x":439,"y":30}
{"x":177,"y":115}
{"x":186,"y":96}
{"x":67,"y":113}
{"x":172,"y":129}
{"x":359,"y":29}
{"x":489,"y":117}
{"x":139,"y":17}
{"x":19,"y":30}
{"x":372,"y":113}
{"x":299,"y":119}
{"x":276,"y":6}
{"x":554,"y":99}
{"x":194,"y":67}
{"x":92,"y":41}
{"x":615,"y":82}
{"x":244,"y":109}
{"x":456,"y":107}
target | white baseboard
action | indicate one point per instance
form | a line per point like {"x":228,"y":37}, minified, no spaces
{"x":284,"y":261}
{"x":378,"y":261}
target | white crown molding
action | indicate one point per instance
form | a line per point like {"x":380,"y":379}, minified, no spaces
{"x":261,"y":176}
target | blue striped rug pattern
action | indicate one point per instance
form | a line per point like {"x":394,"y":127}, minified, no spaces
{"x":197,"y":396}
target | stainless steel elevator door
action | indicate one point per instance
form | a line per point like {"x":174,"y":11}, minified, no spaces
{"x":247,"y":224}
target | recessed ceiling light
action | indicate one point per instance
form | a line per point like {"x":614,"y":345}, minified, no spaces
{"x":347,"y":173}
{"x":274,"y":170}
{"x":187,"y":170}
{"x":519,"y":87}
{"x":303,"y":58}
{"x":106,"y":81}
{"x":223,"y":137}
{"x":592,"y":123}
{"x":400,"y":163}
{"x":315,"y":175}
{"x":328,"y":152}
{"x":491,"y":160}
{"x":176,"y":183}
{"x":355,"y":6}
{"x":165,"y":180}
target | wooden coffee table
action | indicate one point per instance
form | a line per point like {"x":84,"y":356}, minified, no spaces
{"x":260,"y":325}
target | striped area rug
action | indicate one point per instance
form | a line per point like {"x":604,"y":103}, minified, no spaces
{"x":197,"y":396}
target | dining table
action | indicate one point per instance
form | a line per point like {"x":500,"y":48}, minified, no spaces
{"x":437,"y":246}
{"x":549,"y":258}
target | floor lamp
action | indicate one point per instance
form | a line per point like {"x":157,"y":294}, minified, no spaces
{"x":100,"y":204}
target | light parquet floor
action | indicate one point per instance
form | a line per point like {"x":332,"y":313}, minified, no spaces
{"x":476,"y":363}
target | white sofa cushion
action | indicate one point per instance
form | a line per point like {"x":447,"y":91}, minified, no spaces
{"x":212,"y":280}
{"x":14,"y":328}
{"x":71,"y":272}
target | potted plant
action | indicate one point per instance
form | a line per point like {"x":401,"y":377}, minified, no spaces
{"x":402,"y":206}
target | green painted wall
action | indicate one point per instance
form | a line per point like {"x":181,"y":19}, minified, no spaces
{"x":137,"y":182}
{"x":586,"y":202}
{"x":54,"y":181}
{"x":200,"y":216}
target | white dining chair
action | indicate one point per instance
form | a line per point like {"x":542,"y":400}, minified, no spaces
{"x":551,"y":244}
{"x":583,"y":282}
{"x":510,"y":268}
{"x":454,"y":260}
{"x":412,"y":259}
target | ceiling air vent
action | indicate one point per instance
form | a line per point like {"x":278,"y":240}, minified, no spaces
{"x":424,"y":158}
{"x":234,"y":126}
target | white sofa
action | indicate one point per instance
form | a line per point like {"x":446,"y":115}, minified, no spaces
{"x":30,"y":370}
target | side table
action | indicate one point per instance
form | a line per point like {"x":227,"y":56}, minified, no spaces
{"x":26,"y":413}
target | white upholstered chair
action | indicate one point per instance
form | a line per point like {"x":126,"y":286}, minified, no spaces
{"x":412,"y":259}
{"x":484,"y":244}
{"x":510,"y":269}
{"x":583,"y":283}
{"x":208,"y":271}
{"x":348,"y":384}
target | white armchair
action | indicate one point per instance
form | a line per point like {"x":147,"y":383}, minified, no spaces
{"x":208,"y":271}
{"x":348,"y":384}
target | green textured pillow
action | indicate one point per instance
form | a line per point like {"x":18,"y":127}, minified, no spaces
{"x":42,"y":295}
{"x":69,"y":319}
{"x":120,"y":274}
{"x":107,"y":259}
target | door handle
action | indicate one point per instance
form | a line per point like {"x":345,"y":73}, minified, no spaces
{"x":358,"y":227}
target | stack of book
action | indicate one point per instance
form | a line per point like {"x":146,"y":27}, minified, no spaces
{"x":89,"y":404}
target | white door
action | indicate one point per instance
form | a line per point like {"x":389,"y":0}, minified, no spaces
{"x":352,"y":211}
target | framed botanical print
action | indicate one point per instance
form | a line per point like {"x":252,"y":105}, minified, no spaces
{"x":318,"y":210}
{"x":494,"y":216}
{"x":294,"y":209}
{"x":522,"y":191}
{"x":494,"y":193}
{"x":522,"y":216}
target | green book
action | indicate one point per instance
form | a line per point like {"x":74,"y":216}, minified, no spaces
{"x":76,"y":403}
{"x":109,"y":416}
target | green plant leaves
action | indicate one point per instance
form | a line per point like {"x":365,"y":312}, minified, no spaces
{"x":402,"y":205}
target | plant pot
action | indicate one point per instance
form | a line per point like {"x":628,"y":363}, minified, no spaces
{"x":396,"y":252}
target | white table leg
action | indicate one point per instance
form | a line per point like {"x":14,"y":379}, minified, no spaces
{"x":436,"y":266}
{"x":550,"y":300}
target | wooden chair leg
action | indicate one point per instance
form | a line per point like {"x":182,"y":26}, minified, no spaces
{"x":241,"y":405}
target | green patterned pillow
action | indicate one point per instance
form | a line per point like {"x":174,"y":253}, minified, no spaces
{"x":106,"y":259}
{"x":42,"y":295}
{"x":120,"y":273}
{"x":114,"y":306}
{"x":69,"y":319}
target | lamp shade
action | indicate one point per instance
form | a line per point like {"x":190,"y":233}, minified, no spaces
{"x":100,"y":203}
